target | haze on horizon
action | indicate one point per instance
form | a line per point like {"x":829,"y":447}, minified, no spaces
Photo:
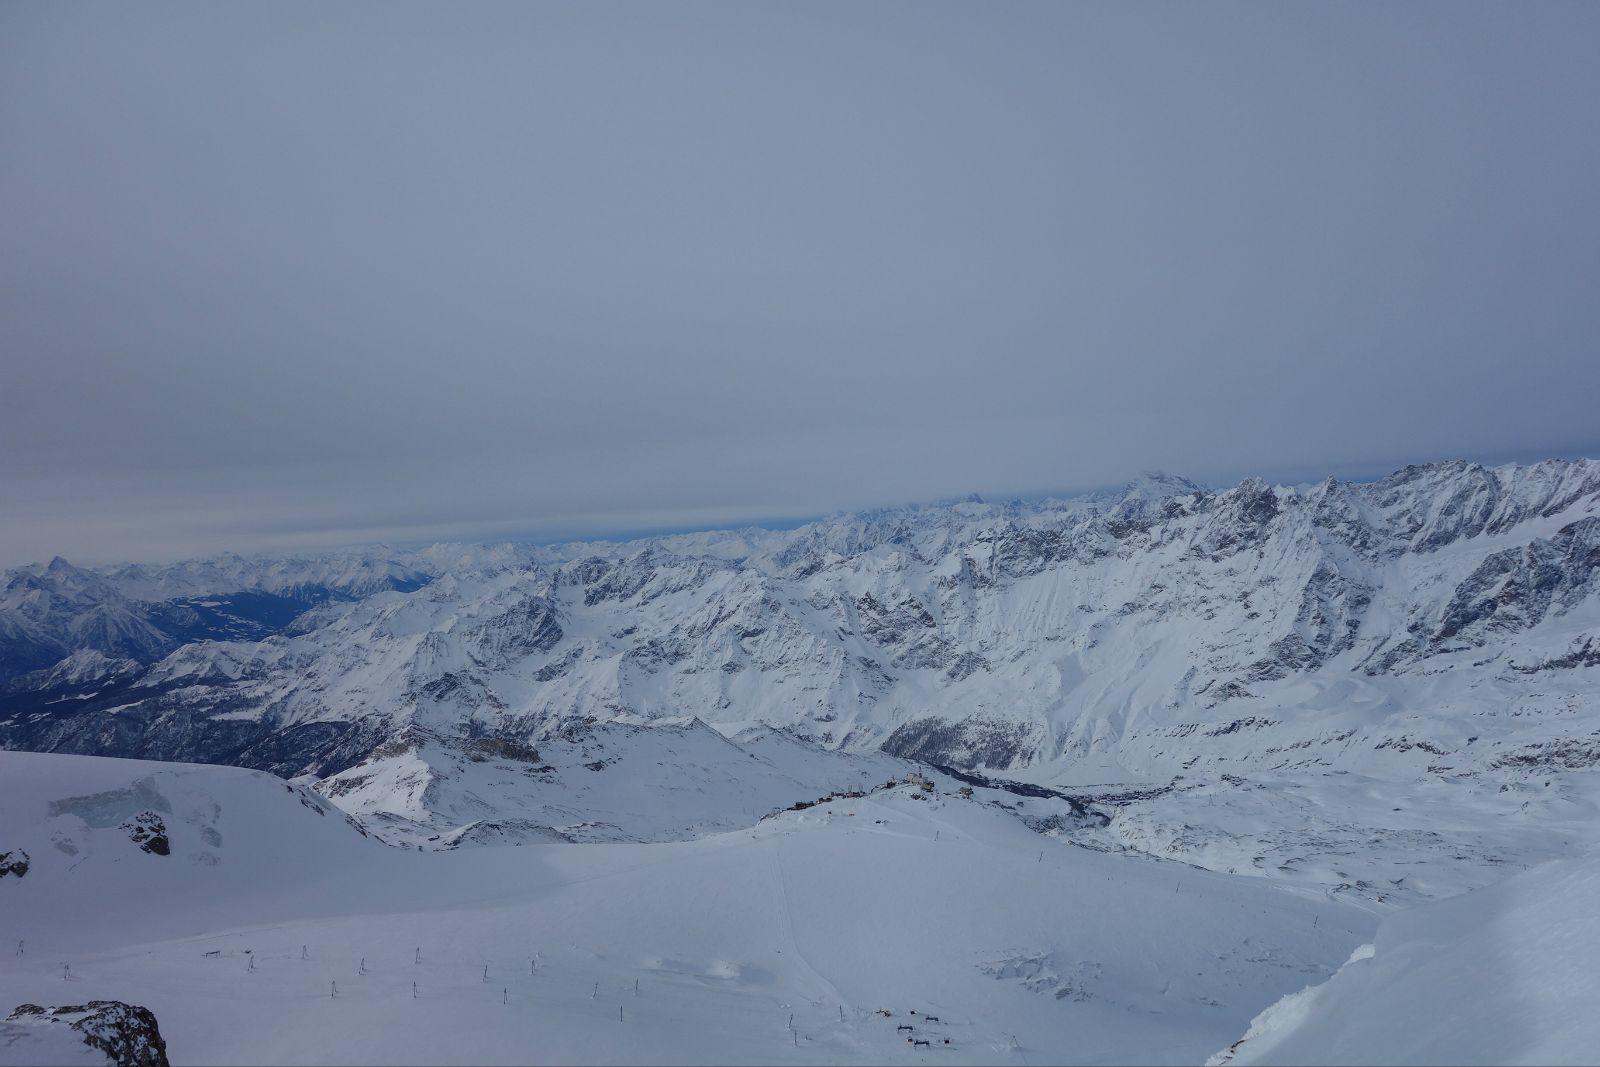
{"x":299,"y":274}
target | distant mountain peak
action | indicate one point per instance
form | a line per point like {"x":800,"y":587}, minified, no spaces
{"x":1148,"y":485}
{"x":1164,"y":481}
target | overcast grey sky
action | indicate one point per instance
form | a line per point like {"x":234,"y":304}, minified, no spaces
{"x":280,"y":274}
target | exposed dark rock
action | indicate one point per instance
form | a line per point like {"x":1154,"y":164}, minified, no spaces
{"x":486,"y":748}
{"x":1514,"y":589}
{"x":148,"y":832}
{"x":1581,"y":655}
{"x":551,"y":671}
{"x":1242,"y":519}
{"x":445,"y":686}
{"x":1251,"y":723}
{"x":970,"y":742}
{"x":126,"y":1033}
{"x":14,"y":862}
{"x":1019,"y":551}
{"x":657,"y":654}
{"x":892,"y":622}
{"x":1567,"y":753}
{"x":1230,"y":691}
{"x":965,"y":664}
{"x":1082,"y":814}
{"x":528,"y":626}
{"x":619,"y":581}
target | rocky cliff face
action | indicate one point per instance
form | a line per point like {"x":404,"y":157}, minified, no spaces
{"x":1144,"y":632}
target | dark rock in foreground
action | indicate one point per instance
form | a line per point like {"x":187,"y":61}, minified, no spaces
{"x":126,"y":1033}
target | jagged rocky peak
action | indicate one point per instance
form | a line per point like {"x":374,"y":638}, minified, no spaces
{"x":59,"y":567}
{"x":1433,"y":505}
{"x":84,"y":666}
{"x":1515,"y":588}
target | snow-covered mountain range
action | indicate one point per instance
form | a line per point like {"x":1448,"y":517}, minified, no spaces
{"x":1152,"y":629}
{"x":1158,"y":648}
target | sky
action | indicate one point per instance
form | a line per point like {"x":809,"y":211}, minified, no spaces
{"x":288,"y":275}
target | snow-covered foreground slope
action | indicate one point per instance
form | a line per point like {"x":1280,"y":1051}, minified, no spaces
{"x":1504,"y":975}
{"x":1026,"y":949}
{"x":1389,"y":840}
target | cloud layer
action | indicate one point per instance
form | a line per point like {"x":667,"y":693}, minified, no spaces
{"x":286,"y":275}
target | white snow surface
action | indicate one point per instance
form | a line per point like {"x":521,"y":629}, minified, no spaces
{"x":600,"y":782}
{"x":1503,"y":975}
{"x":1026,"y":949}
{"x":38,"y":1041}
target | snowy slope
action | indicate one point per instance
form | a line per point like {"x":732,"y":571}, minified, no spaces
{"x":593,"y":782}
{"x":1503,"y":975}
{"x":234,"y":839}
{"x":1028,"y":950}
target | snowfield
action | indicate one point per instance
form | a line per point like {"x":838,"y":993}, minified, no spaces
{"x":1503,"y":975}
{"x":1024,"y":948}
{"x":607,"y":782}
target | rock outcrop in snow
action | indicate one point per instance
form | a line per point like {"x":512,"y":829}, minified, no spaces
{"x":122,"y":1035}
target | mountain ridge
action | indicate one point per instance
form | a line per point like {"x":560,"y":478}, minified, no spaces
{"x":1010,"y":636}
